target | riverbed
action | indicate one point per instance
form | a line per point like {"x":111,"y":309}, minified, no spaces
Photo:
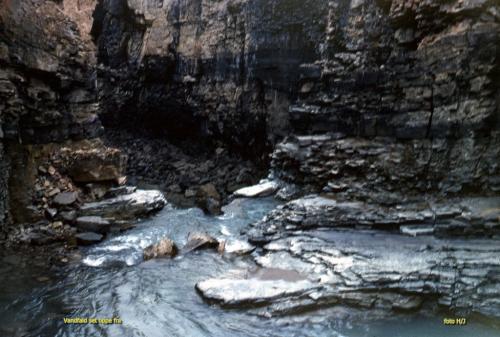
{"x":158,"y":297}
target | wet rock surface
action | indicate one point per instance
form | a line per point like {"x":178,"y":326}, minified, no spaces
{"x":263,"y":189}
{"x":367,"y":269}
{"x":164,"y":248}
{"x":325,"y":253}
{"x":200,"y":240}
{"x":127,"y":206}
{"x":233,"y":292}
{"x":235,"y":247}
{"x":460,"y":218}
{"x":182,"y":170}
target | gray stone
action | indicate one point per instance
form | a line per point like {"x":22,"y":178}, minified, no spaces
{"x":236,"y":247}
{"x":93,"y":224}
{"x":261,"y":190}
{"x":88,"y":238}
{"x":65,"y":198}
{"x":238,"y":292}
{"x":127,"y":206}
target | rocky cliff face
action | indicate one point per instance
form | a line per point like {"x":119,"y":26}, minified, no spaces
{"x":418,"y":81}
{"x":47,"y":84}
{"x":224,"y":69}
{"x":404,"y":93}
{"x":412,"y":90}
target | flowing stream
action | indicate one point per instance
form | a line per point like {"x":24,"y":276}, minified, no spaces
{"x":157,"y":298}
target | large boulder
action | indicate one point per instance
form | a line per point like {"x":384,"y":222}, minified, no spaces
{"x":164,"y":248}
{"x":198,"y":240}
{"x":95,"y":164}
{"x":209,"y":199}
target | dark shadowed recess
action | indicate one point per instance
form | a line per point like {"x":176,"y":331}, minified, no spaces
{"x":177,"y":96}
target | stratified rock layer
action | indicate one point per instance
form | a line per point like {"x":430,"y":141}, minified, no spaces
{"x":47,"y":87}
{"x":125,"y":207}
{"x":213,"y":67}
{"x":423,"y":73}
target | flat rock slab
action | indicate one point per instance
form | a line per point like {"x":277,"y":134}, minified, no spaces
{"x":460,"y":218}
{"x":261,"y":190}
{"x":88,"y":238}
{"x":126,"y":207}
{"x":389,"y":258}
{"x":366,"y":268}
{"x":236,"y":292}
{"x":93,"y":224}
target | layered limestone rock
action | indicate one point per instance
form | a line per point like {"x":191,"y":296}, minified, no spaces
{"x":4,"y":176}
{"x":47,"y":80}
{"x":47,"y":88}
{"x":368,"y":270}
{"x":474,"y":217}
{"x":410,"y":92}
{"x":387,"y":170}
{"x":213,"y":67}
{"x":417,"y":82}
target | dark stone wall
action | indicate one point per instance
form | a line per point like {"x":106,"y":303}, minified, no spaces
{"x":4,"y":176}
{"x":412,"y":91}
{"x":224,"y":70}
{"x":419,"y":77}
{"x":423,"y":75}
{"x":427,"y":69}
{"x":47,"y":83}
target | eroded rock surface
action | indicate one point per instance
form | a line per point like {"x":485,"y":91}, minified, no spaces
{"x":47,"y":91}
{"x":164,"y":248}
{"x":200,"y":240}
{"x":386,"y":170}
{"x":126,"y":206}
{"x":466,"y":217}
{"x":370,"y":270}
{"x":392,"y":258}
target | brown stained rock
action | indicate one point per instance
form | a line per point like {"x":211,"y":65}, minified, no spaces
{"x":164,"y":248}
{"x":208,"y":191}
{"x":95,"y":165}
{"x":199,"y":240}
{"x":209,"y":199}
